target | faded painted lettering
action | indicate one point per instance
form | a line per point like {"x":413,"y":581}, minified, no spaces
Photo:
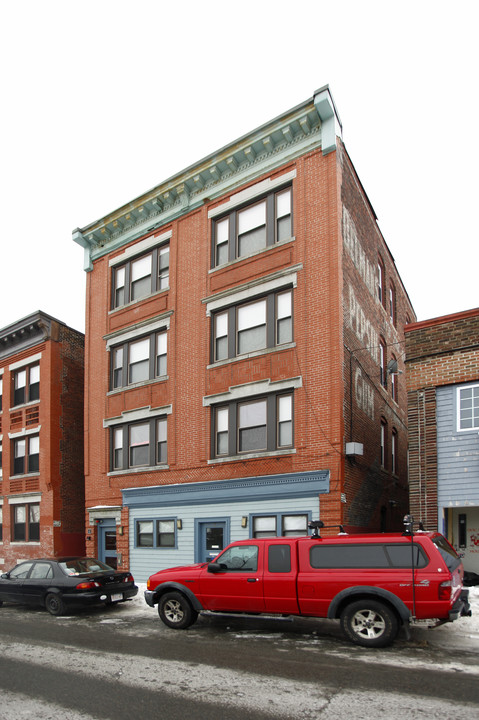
{"x":364,"y":393}
{"x":364,"y":266}
{"x":362,"y":327}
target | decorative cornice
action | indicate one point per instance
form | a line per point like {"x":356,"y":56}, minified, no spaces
{"x":26,"y":333}
{"x":306,"y":484}
{"x":279,"y":141}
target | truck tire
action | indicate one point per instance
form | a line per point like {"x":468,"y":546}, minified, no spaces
{"x":369,"y":623}
{"x":176,"y":611}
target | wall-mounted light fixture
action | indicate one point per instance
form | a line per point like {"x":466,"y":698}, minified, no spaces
{"x":120,"y":530}
{"x":244,"y":521}
{"x":179,"y":524}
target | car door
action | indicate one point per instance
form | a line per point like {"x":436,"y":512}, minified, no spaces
{"x":11,"y":583}
{"x":238,"y":584}
{"x":38,"y":580}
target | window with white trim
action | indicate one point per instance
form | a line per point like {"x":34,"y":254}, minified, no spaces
{"x":139,"y":444}
{"x":141,"y":276}
{"x":265,"y":322}
{"x":284,"y":525}
{"x":256,"y":425}
{"x":26,"y":522}
{"x":468,"y":408}
{"x":249,"y":229}
{"x":155,"y":533}
{"x":26,"y":454}
{"x":26,"y":385}
{"x":138,"y":360}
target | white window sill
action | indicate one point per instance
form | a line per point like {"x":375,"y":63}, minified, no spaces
{"x":135,"y":471}
{"x":252,"y":456}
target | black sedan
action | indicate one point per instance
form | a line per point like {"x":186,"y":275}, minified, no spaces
{"x":62,"y":583}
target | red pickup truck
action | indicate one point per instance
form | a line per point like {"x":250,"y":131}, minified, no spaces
{"x":373,"y":584}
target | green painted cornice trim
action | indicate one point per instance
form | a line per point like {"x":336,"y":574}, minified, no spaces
{"x":313,"y":124}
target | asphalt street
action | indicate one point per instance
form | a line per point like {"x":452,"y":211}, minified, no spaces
{"x":108,"y":663}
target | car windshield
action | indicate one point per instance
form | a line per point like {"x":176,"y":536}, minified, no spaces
{"x":448,"y":554}
{"x":84,"y":566}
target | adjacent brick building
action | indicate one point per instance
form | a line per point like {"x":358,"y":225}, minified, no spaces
{"x":442,"y":366}
{"x":244,"y":336}
{"x":41,"y":440}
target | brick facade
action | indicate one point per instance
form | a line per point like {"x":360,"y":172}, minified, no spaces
{"x":330,"y":367}
{"x":41,"y":430}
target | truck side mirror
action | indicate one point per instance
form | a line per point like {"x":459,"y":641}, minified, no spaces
{"x":214,"y":567}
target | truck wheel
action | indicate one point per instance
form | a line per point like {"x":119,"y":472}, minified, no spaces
{"x":176,"y":611}
{"x":54,"y":604}
{"x":369,"y":623}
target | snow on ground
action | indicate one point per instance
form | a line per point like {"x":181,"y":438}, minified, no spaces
{"x":466,"y":627}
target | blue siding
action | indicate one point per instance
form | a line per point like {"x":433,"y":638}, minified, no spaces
{"x":457,"y":454}
{"x":232,"y":499}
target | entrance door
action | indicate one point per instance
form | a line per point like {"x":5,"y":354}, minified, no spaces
{"x":212,"y":539}
{"x":107,"y":542}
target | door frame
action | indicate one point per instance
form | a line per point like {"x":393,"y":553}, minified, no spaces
{"x":199,"y":522}
{"x":103,"y":525}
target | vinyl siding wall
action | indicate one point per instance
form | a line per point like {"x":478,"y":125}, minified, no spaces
{"x":457,"y":453}
{"x":145,"y":561}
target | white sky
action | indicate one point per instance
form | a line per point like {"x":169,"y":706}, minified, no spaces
{"x":101,"y":100}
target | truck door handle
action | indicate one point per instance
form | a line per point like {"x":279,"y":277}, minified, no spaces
{"x":252,"y":580}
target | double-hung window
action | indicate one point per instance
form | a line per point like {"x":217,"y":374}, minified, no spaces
{"x":139,"y":444}
{"x":26,"y":454}
{"x":394,"y":451}
{"x":142,"y":276}
{"x":382,"y":363}
{"x":138,"y":360}
{"x":392,"y":303}
{"x":26,"y":523}
{"x":252,"y":228}
{"x":382,"y":443}
{"x":159,"y":533}
{"x":468,"y":407}
{"x":381,"y":284}
{"x":279,"y":525}
{"x":26,"y":385}
{"x":257,"y":425}
{"x":244,"y":328}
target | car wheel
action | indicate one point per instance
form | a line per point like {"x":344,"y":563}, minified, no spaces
{"x":369,"y":623}
{"x":54,"y":604}
{"x":176,"y":611}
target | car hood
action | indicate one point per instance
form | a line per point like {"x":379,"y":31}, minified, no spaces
{"x":183,"y":569}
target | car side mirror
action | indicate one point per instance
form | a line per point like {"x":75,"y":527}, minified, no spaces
{"x":5,"y":576}
{"x":214,"y":567}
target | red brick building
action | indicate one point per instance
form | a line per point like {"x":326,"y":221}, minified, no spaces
{"x":442,"y":371}
{"x":41,"y":434}
{"x":244,"y":335}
